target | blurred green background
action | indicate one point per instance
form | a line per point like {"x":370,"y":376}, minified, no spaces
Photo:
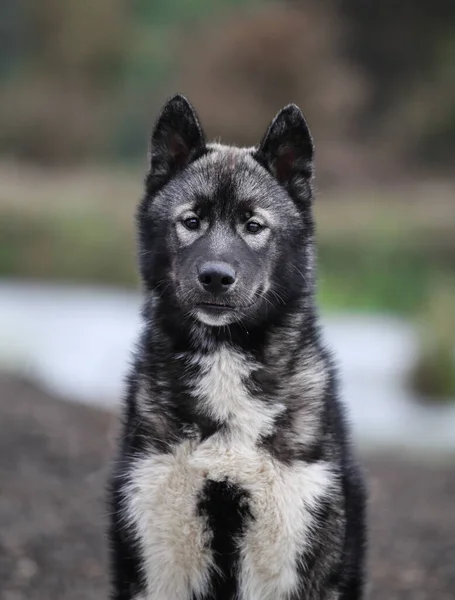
{"x":81,"y":83}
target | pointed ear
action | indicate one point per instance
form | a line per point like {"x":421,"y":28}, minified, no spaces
{"x":177,"y":139}
{"x":287,"y":149}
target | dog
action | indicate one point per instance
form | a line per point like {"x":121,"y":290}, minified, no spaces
{"x":235,"y":477}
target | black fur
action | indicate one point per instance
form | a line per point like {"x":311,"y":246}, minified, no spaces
{"x":225,"y":506}
{"x":268,"y":318}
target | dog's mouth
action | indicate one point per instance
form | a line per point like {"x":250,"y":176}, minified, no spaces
{"x":217,"y":313}
{"x":220,"y":307}
{"x":215,"y":306}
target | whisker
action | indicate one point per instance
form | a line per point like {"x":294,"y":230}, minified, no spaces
{"x":300,"y":273}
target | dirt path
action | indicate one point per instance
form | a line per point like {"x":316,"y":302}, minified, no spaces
{"x":53,"y":459}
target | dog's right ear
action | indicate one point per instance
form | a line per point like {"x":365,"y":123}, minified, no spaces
{"x":177,"y":139}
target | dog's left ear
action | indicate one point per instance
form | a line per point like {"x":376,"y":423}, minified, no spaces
{"x":287,"y":150}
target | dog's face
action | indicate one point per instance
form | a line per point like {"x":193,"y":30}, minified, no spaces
{"x":225,"y":233}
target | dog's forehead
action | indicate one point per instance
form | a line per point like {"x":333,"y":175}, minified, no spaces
{"x":232,"y":176}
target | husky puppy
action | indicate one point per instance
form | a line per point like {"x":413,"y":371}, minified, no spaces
{"x":235,"y":478}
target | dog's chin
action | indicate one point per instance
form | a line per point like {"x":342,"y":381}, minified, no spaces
{"x":215,"y":314}
{"x":215,"y":317}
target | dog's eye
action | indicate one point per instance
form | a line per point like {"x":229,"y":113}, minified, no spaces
{"x":192,"y":223}
{"x":253,"y":227}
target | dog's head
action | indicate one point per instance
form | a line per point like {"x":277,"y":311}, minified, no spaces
{"x":225,"y":233}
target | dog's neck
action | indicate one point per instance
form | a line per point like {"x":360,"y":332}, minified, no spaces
{"x":255,"y":382}
{"x":279,"y":346}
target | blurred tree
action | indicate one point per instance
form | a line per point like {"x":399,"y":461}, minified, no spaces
{"x":407,"y":53}
{"x":57,"y":107}
{"x":81,"y":80}
{"x":11,"y":34}
{"x":396,"y":43}
{"x":241,"y":71}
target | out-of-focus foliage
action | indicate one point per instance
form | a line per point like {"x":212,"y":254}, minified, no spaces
{"x":407,"y":50}
{"x":434,"y":373}
{"x":255,"y":63}
{"x":83,"y":80}
{"x":55,"y":100}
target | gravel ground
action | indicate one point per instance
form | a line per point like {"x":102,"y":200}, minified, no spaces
{"x":53,"y":458}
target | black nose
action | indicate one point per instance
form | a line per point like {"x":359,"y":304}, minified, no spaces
{"x":216,"y":277}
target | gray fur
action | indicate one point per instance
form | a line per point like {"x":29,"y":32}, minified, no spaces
{"x":236,"y":479}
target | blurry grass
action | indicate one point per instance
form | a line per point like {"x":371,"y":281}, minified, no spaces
{"x":383,"y":249}
{"x":74,"y":226}
{"x":379,"y":250}
{"x":433,"y":376}
{"x":66,"y":247}
{"x":382,"y":274}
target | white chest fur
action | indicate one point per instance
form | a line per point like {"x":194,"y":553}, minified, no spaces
{"x":164,"y":490}
{"x":222,"y":395}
